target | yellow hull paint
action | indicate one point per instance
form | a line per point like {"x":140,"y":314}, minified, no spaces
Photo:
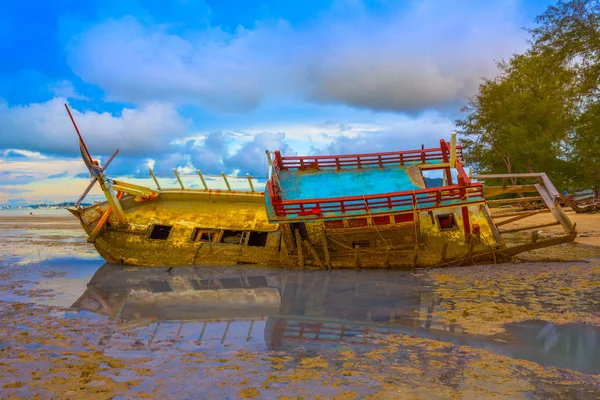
{"x":397,"y":245}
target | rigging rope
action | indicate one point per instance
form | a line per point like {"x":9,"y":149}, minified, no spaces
{"x":372,"y":222}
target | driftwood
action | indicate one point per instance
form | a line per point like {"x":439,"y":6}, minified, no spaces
{"x":592,"y":205}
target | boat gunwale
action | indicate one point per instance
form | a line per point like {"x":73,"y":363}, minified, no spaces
{"x":201,"y":192}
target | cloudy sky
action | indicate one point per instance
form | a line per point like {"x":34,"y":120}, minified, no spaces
{"x":211,"y":85}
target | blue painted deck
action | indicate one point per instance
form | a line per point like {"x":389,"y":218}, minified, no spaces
{"x":328,"y":183}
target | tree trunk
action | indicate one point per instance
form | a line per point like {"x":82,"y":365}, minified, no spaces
{"x":506,"y":160}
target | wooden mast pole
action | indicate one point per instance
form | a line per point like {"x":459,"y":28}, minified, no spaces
{"x":78,"y":133}
{"x":98,"y":173}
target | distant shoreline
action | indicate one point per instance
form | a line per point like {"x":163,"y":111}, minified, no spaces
{"x":49,"y":212}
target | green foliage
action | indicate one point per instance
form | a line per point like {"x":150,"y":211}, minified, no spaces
{"x":542,"y":112}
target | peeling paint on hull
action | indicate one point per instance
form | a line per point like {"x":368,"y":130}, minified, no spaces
{"x":405,"y":244}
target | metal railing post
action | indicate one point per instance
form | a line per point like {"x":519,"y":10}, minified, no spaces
{"x":202,"y":179}
{"x":226,"y":181}
{"x":453,"y":151}
{"x":250,"y":182}
{"x":178,"y":178}
{"x":154,"y":177}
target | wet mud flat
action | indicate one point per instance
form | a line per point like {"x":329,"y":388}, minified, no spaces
{"x":32,"y":238}
{"x":74,"y":327}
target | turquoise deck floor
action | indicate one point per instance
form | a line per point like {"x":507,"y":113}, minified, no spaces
{"x":328,"y":183}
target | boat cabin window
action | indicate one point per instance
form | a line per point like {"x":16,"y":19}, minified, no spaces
{"x":361,"y":243}
{"x":446,"y":222}
{"x":160,"y":232}
{"x":204,"y":235}
{"x":232,"y":237}
{"x":258,"y":239}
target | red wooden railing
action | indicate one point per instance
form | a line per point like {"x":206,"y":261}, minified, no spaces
{"x":421,"y":200}
{"x":361,"y":160}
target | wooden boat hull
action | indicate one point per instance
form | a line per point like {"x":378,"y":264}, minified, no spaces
{"x":416,"y":240}
{"x":203,"y":228}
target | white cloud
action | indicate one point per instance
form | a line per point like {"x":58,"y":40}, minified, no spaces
{"x":20,"y":153}
{"x":45,"y":127}
{"x":401,"y":133}
{"x":64,"y":89}
{"x":424,"y":54}
{"x":250,"y":158}
{"x":38,"y":169}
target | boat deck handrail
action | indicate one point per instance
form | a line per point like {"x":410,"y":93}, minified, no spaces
{"x":407,"y":201}
{"x":406,"y":157}
{"x":400,"y":201}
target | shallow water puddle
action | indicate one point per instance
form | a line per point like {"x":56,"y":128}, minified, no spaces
{"x":57,"y":282}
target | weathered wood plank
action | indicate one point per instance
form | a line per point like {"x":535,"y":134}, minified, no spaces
{"x":103,"y":219}
{"x":525,"y":228}
{"x":313,"y":253}
{"x":500,"y":176}
{"x":510,"y":251}
{"x":299,"y":248}
{"x":554,"y":209}
{"x":492,"y":191}
{"x":550,"y":187}
{"x":326,"y":249}
{"x":516,"y":200}
{"x":497,"y":215}
{"x":522,"y":215}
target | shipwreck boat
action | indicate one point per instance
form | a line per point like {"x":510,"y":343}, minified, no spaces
{"x":346,"y":211}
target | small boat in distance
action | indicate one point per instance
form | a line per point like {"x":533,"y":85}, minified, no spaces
{"x":372,"y":210}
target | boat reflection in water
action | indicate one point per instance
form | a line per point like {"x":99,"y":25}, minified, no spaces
{"x":296,"y":305}
{"x":283,"y":310}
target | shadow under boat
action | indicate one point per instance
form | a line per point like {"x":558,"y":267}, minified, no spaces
{"x":315,"y":309}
